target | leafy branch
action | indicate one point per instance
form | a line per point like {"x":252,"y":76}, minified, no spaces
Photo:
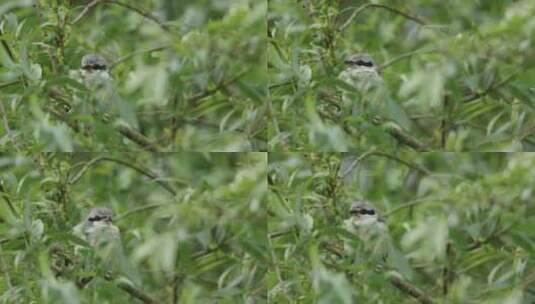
{"x":139,"y":11}
{"x":138,"y":168}
{"x":362,"y":8}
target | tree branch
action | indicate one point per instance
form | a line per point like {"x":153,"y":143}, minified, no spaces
{"x":137,"y":293}
{"x":137,"y":137}
{"x":127,"y":163}
{"x":399,"y":134}
{"x":219,"y":86}
{"x":139,"y":11}
{"x":128,"y":56}
{"x":403,"y":56}
{"x":491,"y":88}
{"x":410,"y":289}
{"x":416,"y":167}
{"x":373,"y":5}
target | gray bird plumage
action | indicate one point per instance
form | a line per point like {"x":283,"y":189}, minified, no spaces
{"x":97,"y":228}
{"x":93,"y":62}
{"x":366,"y":223}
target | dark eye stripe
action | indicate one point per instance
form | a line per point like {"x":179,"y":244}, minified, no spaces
{"x":363,"y":211}
{"x":364,"y":63}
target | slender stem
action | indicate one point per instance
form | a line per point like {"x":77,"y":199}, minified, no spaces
{"x":413,"y":291}
{"x":137,"y":137}
{"x":139,"y":11}
{"x":388,"y":8}
{"x":128,"y":56}
{"x":219,"y":86}
{"x":416,"y":167}
{"x":127,"y":163}
{"x":137,"y":293}
{"x":491,"y":88}
{"x":405,"y":55}
{"x":140,"y":209}
{"x":7,"y":84}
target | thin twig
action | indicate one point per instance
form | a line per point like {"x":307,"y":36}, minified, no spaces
{"x":139,"y":209}
{"x":86,"y":9}
{"x":403,"y":56}
{"x":416,"y":167}
{"x":6,"y":46}
{"x":139,"y":11}
{"x":137,"y":293}
{"x":219,"y":86}
{"x":4,"y":118}
{"x":125,"y":5}
{"x":373,"y":5}
{"x":137,"y":137}
{"x":128,"y":56}
{"x":127,"y":163}
{"x":7,"y":84}
{"x":407,"y":288}
{"x":397,"y":132}
{"x":491,"y":88}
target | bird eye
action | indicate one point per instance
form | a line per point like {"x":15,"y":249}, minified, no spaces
{"x":364,"y":63}
{"x":95,"y":218}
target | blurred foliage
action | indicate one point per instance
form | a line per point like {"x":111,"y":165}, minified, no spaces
{"x":462,"y":225}
{"x":462,"y":71}
{"x":193,"y":225}
{"x":192,"y":72}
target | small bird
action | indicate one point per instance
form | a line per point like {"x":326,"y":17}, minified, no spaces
{"x":95,"y":75}
{"x":98,"y":227}
{"x":370,"y":228}
{"x":95,"y":71}
{"x":361,"y":72}
{"x":98,"y":230}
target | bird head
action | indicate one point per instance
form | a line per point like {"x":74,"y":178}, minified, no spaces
{"x":363,"y":213}
{"x":100,"y":215}
{"x":94,"y":62}
{"x":360,"y":61}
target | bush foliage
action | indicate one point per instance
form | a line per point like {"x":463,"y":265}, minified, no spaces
{"x":189,"y":73}
{"x":460,"y":71}
{"x":461,"y":225}
{"x":193,"y":226}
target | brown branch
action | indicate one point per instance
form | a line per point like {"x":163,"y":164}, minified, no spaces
{"x":492,"y":87}
{"x":137,"y":293}
{"x":403,"y":56}
{"x":128,"y":56}
{"x":416,"y":167}
{"x":399,"y":134}
{"x":140,"y":139}
{"x":6,"y":46}
{"x":388,"y":8}
{"x":409,"y":289}
{"x":136,"y":210}
{"x":219,"y":86}
{"x":140,"y":12}
{"x":7,"y":84}
{"x":86,"y":9}
{"x":127,"y":163}
{"x":445,"y":123}
{"x":125,"y":5}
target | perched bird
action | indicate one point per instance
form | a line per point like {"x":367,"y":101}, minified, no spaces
{"x":370,"y":228}
{"x":95,"y":71}
{"x":370,"y":99}
{"x":95,"y":75}
{"x":361,"y":72}
{"x":98,"y":230}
